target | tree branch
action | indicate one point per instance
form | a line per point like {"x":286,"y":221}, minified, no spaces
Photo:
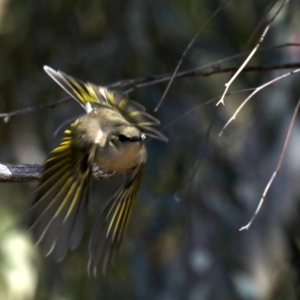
{"x":30,"y":173}
{"x":215,"y":69}
{"x":261,"y":39}
{"x":152,"y":80}
{"x":7,"y":116}
{"x":279,"y":163}
{"x":185,"y":53}
{"x":255,"y":92}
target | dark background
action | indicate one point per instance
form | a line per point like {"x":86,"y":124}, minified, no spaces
{"x":183,"y":240}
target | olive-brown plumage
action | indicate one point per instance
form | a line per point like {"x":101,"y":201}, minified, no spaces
{"x":112,"y":135}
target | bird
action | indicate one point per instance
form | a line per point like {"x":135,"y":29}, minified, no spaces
{"x":111,"y":134}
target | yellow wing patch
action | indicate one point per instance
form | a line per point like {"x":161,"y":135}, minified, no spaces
{"x":111,"y":225}
{"x":58,"y":213}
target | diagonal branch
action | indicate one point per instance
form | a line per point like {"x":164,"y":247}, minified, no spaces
{"x":152,"y":80}
{"x":265,"y":192}
{"x":185,"y":53}
{"x":215,"y":67}
{"x":261,"y":39}
{"x":253,"y":93}
{"x":7,"y":116}
{"x":260,"y":23}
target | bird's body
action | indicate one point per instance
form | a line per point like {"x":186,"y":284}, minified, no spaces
{"x":121,"y":161}
{"x":112,"y":135}
{"x":111,"y":153}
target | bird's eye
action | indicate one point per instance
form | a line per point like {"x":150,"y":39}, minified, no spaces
{"x":123,"y":138}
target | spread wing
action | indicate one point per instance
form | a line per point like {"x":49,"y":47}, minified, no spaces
{"x":58,"y":213}
{"x":87,"y":93}
{"x":110,"y":227}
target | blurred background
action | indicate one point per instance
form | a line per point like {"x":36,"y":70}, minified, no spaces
{"x":183,"y":241}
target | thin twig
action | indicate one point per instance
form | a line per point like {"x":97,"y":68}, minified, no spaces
{"x":185,"y":53}
{"x":214,"y":70}
{"x":249,"y":41}
{"x":199,"y":160}
{"x":7,"y":116}
{"x":215,"y":66}
{"x":188,"y":112}
{"x":145,"y":81}
{"x":252,"y":94}
{"x":32,"y":172}
{"x":277,"y":168}
{"x":227,"y":85}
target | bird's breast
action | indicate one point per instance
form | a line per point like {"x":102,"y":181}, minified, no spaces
{"x":121,"y":160}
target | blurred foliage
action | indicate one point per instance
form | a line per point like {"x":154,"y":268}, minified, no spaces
{"x":183,"y":240}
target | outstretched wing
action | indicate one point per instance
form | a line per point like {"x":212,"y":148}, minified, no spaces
{"x":110,"y":227}
{"x":58,"y":213}
{"x":82,"y":92}
{"x":87,"y":93}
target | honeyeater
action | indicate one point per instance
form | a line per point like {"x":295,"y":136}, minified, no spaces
{"x":111,"y":134}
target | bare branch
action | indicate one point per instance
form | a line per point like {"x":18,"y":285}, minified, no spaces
{"x":259,"y":24}
{"x":277,"y":168}
{"x":148,"y":81}
{"x":191,"y":110}
{"x":252,"y":94}
{"x":7,"y":116}
{"x":185,"y":53}
{"x":152,"y":80}
{"x":269,"y":23}
{"x":30,"y":173}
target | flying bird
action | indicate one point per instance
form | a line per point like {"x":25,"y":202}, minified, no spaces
{"x":111,"y":134}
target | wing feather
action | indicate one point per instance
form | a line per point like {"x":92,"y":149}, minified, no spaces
{"x":58,"y":212}
{"x":112,"y":223}
{"x":87,"y":93}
